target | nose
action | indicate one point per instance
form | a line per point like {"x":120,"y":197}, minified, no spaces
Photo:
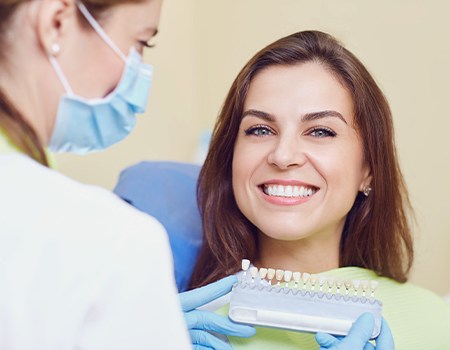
{"x":287,"y":152}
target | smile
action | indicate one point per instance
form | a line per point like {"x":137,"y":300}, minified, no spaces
{"x":288,"y":191}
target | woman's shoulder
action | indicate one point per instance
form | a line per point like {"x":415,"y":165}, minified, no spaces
{"x":391,"y":291}
{"x":418,"y":317}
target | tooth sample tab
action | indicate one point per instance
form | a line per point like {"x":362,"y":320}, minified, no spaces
{"x":305,"y":279}
{"x":253,"y":273}
{"x":270,"y":275}
{"x":279,"y":276}
{"x":322,"y":281}
{"x":287,"y":277}
{"x":373,"y":287}
{"x":262,"y":272}
{"x":296,"y":276}
{"x":313,"y":280}
{"x":339,"y":284}
{"x":330,"y":283}
{"x":356,"y":285}
{"x":364,"y":287}
{"x":245,"y":264}
{"x":348,"y":284}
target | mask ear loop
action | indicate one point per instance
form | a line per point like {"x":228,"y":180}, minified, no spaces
{"x":60,"y":75}
{"x":100,"y":30}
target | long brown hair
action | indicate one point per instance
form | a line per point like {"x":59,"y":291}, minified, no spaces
{"x":12,"y":122}
{"x":376,"y":233}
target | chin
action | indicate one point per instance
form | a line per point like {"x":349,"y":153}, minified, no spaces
{"x":285,"y":235}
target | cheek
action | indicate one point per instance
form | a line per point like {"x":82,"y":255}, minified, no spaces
{"x":244,"y":166}
{"x":342,"y":168}
{"x":239,"y":171}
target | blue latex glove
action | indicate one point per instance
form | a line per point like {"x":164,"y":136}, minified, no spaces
{"x":358,"y":337}
{"x":200,"y":322}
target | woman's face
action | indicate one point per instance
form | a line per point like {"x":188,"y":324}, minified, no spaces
{"x":89,"y":64}
{"x":298,"y":161}
{"x":128,"y":25}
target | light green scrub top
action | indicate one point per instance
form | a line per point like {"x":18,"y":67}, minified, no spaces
{"x":418,"y":318}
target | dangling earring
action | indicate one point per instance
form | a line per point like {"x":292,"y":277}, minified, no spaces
{"x":55,"y":49}
{"x":367,"y":190}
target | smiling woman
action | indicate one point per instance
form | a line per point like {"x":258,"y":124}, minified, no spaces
{"x":322,"y":122}
{"x":302,"y":175}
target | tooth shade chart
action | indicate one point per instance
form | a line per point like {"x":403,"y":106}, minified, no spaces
{"x":313,"y":282}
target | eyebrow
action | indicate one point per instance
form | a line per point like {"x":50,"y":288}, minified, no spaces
{"x":305,"y":118}
{"x":260,"y":114}
{"x":322,"y":114}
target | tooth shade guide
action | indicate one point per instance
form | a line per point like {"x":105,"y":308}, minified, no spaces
{"x":310,"y":282}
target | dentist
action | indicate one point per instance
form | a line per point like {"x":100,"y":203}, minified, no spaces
{"x":79,"y":269}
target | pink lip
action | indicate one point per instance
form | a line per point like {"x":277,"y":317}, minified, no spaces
{"x":287,"y":183}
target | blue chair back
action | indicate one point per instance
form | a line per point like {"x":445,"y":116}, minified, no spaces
{"x":167,"y":191}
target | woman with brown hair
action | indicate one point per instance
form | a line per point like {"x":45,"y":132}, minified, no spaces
{"x":302,"y":175}
{"x":78,"y":266}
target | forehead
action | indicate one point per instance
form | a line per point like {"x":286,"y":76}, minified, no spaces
{"x":134,"y":15}
{"x":301,"y":88}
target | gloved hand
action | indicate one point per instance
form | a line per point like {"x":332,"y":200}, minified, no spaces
{"x":199,"y":322}
{"x":358,"y":337}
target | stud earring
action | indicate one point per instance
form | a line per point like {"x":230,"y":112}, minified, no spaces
{"x":367,"y":190}
{"x":55,"y":48}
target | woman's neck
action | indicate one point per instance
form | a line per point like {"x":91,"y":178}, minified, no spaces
{"x":312,"y":255}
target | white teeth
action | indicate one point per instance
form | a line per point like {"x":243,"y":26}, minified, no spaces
{"x":280,"y":190}
{"x":302,"y":192}
{"x":288,"y":191}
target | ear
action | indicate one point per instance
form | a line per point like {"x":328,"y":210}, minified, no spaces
{"x":366,"y":179}
{"x":54,"y":19}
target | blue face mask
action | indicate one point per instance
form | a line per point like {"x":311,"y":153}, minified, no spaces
{"x":86,"y":125}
